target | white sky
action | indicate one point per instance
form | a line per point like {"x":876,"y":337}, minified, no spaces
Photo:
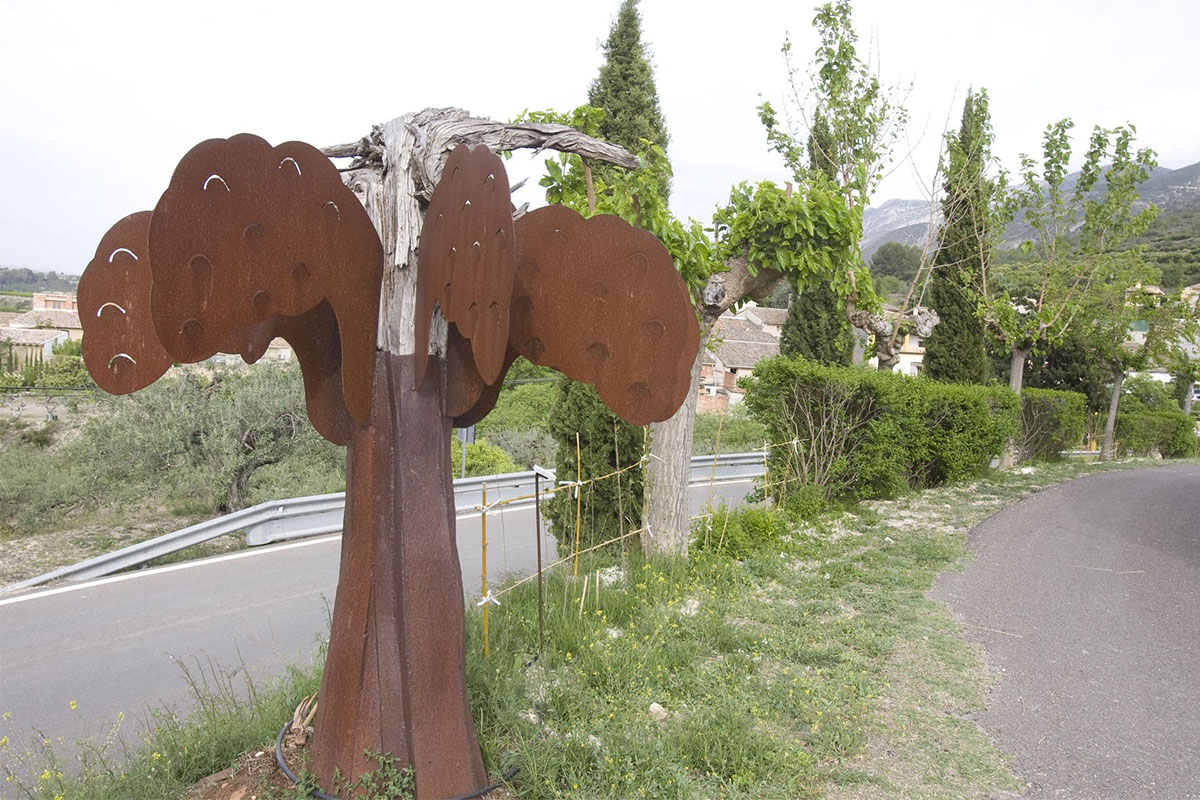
{"x":98,"y":101}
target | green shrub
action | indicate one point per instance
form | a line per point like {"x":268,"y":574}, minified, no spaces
{"x":482,"y":459}
{"x":525,"y":447}
{"x":1169,"y":433}
{"x":1051,"y":422}
{"x":739,"y":433}
{"x":739,"y":532}
{"x":858,"y":433}
{"x":805,"y":502}
{"x":524,"y":407}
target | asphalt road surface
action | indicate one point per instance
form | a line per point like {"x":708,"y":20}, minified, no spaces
{"x":117,"y":644}
{"x":1087,"y":599}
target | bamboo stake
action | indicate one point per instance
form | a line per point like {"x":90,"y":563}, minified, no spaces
{"x":483,"y":543}
{"x":578,"y":499}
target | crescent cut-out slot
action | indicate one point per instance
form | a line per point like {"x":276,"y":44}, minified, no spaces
{"x":293,"y":162}
{"x":337,"y":212}
{"x":125,"y":356}
{"x":113,"y":254}
{"x":100,"y":310}
{"x":467,"y":204}
{"x":215,"y":177}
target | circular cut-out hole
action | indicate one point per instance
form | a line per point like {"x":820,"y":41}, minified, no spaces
{"x":640,"y":261}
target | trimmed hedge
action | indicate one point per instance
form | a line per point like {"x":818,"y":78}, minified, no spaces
{"x":1051,"y":421}
{"x":1167,"y":432}
{"x":859,"y":433}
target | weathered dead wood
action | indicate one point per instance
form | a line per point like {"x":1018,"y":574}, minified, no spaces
{"x":407,"y":155}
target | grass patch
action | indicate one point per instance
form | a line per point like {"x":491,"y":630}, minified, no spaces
{"x":806,"y":664}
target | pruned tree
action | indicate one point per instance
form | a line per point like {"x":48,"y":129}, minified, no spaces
{"x":1076,"y":228}
{"x":1129,"y":324}
{"x":406,"y":297}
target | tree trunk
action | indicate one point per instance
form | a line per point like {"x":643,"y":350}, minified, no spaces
{"x":1188,"y":397}
{"x":394,"y":675}
{"x":1016,"y":368}
{"x":1016,"y":377}
{"x":668,"y":475}
{"x":669,"y":471}
{"x":1110,"y":425}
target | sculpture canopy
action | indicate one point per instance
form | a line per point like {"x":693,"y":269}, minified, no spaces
{"x":250,"y":242}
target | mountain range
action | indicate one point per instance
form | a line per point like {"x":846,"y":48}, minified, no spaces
{"x":907,"y":221}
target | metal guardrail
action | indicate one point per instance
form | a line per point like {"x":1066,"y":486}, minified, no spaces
{"x":298,"y":517}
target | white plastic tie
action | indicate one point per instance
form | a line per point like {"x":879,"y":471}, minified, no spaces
{"x":576,"y":484}
{"x":488,"y":598}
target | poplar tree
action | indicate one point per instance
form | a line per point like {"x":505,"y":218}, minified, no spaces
{"x":625,"y":91}
{"x":956,"y":349}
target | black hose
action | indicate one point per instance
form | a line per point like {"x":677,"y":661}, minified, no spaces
{"x":319,"y":795}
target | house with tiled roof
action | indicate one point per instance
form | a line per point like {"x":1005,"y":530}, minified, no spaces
{"x":48,"y":319}
{"x":734,"y":347}
{"x":21,"y":346}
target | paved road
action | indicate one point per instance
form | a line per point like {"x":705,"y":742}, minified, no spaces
{"x":1096,"y":586}
{"x":112,"y":645}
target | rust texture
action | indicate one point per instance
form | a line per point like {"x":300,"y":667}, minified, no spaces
{"x":601,"y":301}
{"x":120,"y":345}
{"x":399,"y":592}
{"x":246,"y":233}
{"x":467,"y":259}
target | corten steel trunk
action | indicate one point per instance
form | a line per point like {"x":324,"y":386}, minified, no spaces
{"x":396,"y":654}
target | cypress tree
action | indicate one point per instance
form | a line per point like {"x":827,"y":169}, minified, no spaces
{"x":625,"y":86}
{"x":625,"y":90}
{"x":816,"y":327}
{"x":956,"y":350}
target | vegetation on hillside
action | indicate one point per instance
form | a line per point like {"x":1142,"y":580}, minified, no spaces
{"x":20,"y":279}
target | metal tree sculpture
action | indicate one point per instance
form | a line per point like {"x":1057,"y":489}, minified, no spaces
{"x":250,"y":242}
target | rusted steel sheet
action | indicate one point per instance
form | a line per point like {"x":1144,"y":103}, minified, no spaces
{"x":399,"y":592}
{"x":246,"y":232}
{"x":120,"y":344}
{"x":601,"y":301}
{"x":467,"y":258}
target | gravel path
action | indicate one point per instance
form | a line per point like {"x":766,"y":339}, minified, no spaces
{"x":1086,"y":598}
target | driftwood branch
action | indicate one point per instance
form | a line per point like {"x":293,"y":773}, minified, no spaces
{"x":437,"y":131}
{"x":394,"y":171}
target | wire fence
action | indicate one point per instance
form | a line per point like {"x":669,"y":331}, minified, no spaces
{"x":768,"y":488}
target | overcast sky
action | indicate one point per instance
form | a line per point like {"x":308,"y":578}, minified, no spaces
{"x":100,"y":100}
